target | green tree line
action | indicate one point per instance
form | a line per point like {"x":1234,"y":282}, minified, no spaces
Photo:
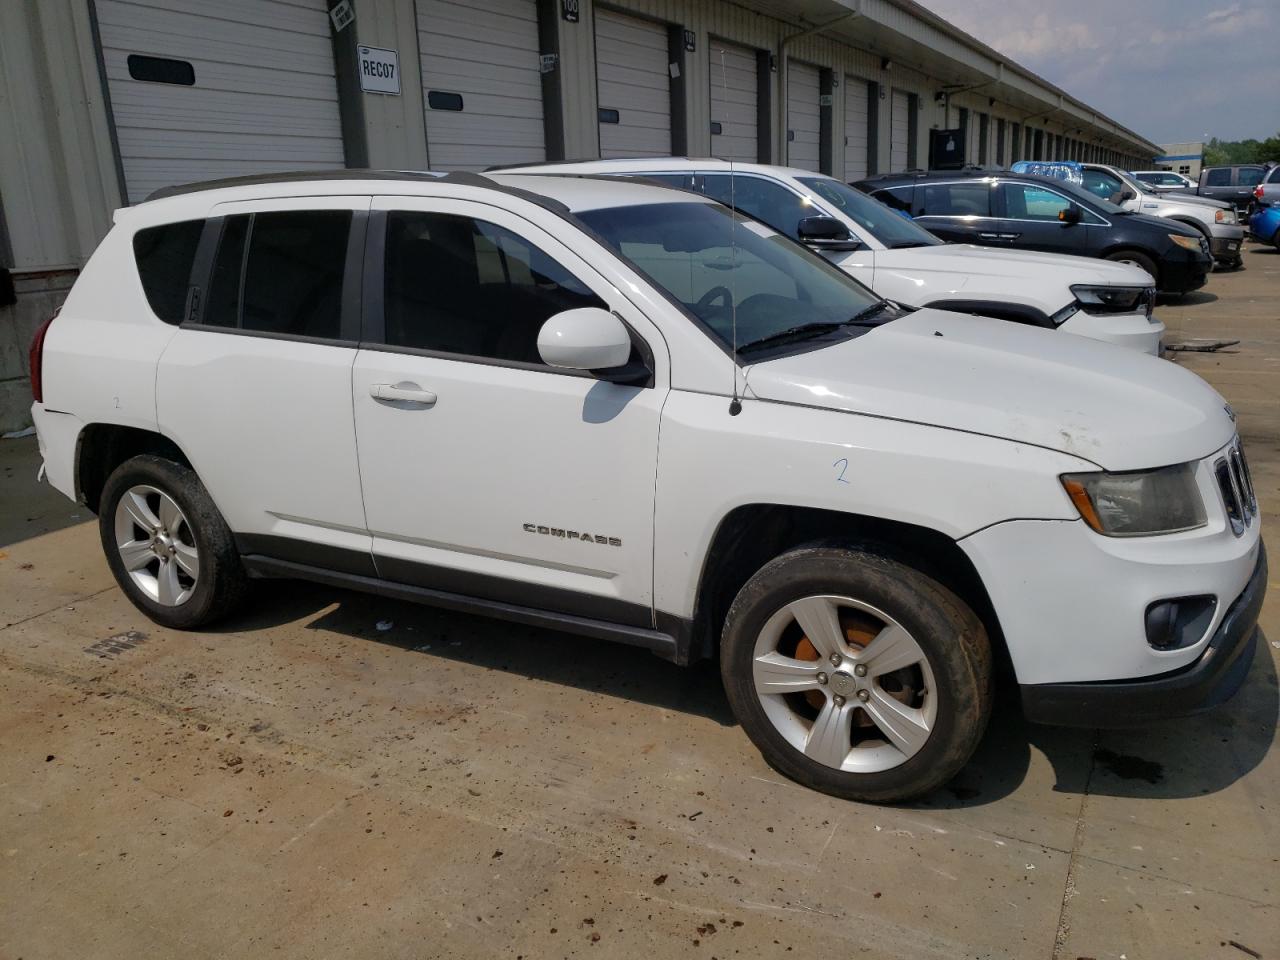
{"x":1217,"y":152}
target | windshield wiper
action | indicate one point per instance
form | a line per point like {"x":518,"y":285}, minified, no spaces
{"x":865,"y":315}
{"x":802,"y":332}
{"x":907,"y":244}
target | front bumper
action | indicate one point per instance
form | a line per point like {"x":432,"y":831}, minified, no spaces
{"x":1183,"y":270}
{"x":1225,"y":243}
{"x":1131,"y":330}
{"x":1210,"y":680}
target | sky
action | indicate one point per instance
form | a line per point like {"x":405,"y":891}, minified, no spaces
{"x":1170,"y":70}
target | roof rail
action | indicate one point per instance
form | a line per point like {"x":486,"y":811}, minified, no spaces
{"x":294,"y":176}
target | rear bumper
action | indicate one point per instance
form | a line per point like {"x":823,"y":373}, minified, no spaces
{"x":1211,"y":679}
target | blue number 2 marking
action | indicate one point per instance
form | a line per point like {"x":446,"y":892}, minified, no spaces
{"x":843,"y":464}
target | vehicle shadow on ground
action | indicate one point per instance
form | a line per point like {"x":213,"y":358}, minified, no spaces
{"x":607,"y":668}
{"x":1193,"y":299}
{"x":1180,"y":758}
{"x":1185,"y":757}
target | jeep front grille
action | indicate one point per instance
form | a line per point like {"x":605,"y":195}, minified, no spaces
{"x":1236,"y":486}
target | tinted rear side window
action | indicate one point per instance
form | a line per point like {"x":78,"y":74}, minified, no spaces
{"x":955,"y":200}
{"x":897,"y":197}
{"x":164,"y":256}
{"x":281,"y":273}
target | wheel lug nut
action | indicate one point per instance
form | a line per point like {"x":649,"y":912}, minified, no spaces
{"x":838,"y":700}
{"x":860,"y":670}
{"x":822,"y":678}
{"x":864,"y":695}
{"x":835,"y":659}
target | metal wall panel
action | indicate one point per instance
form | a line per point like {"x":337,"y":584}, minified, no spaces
{"x":265,"y":97}
{"x":804,"y":118}
{"x":486,"y":52}
{"x":899,"y":131}
{"x":856,"y":139}
{"x":632,"y":79}
{"x":734,"y":101}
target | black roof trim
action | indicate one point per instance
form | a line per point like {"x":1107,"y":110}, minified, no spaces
{"x":295,"y":176}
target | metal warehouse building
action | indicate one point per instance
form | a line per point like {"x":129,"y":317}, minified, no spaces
{"x":104,"y":101}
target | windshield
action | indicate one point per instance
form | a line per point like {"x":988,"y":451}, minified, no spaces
{"x":887,"y":225}
{"x":777,"y":286}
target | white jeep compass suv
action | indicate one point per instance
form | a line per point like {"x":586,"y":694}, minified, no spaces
{"x":902,"y":261}
{"x":620,"y":410}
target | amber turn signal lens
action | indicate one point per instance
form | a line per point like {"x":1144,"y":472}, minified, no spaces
{"x":1080,"y":497}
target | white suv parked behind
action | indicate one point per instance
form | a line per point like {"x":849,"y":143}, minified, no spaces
{"x":617,"y":409}
{"x":901,"y":261}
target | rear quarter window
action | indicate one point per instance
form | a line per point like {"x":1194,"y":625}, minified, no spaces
{"x":164,"y":256}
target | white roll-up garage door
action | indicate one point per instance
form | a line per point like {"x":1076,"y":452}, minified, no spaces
{"x":856,"y":140}
{"x":804,"y":121}
{"x":228,"y":89}
{"x":481,"y":87}
{"x":634,"y":86}
{"x":734,"y":98}
{"x":899,"y":130}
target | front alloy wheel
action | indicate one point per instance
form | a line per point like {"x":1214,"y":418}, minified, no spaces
{"x":845,"y":684}
{"x":855,"y":673}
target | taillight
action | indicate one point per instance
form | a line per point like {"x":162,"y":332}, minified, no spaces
{"x":1258,"y":191}
{"x":37,"y":360}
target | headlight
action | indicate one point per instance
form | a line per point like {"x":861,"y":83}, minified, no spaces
{"x":1224,"y":216}
{"x":1138,"y":503}
{"x":1190,"y":243}
{"x":1113,"y":299}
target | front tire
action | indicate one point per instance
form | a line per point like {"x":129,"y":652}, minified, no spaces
{"x":1137,"y":259}
{"x":856,"y":674}
{"x":167,"y":545}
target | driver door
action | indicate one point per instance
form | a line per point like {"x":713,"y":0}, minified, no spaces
{"x":486,"y":472}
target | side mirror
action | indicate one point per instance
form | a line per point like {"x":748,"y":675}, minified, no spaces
{"x":1070,"y":215}
{"x":1126,"y":194}
{"x":825,"y":233}
{"x":587,"y":338}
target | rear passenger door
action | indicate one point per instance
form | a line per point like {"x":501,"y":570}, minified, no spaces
{"x":255,"y":386}
{"x":488,"y":473}
{"x":958,"y":212}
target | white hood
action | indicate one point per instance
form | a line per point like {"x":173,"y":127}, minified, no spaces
{"x":1050,"y":270}
{"x":1117,"y":408}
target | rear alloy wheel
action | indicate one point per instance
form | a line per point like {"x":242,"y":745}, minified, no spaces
{"x":167,"y":545}
{"x":856,"y":674}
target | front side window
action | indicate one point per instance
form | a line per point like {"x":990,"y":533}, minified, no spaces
{"x":164,"y":256}
{"x":898,"y":198}
{"x":889,"y":227}
{"x":955,"y":199}
{"x":725,"y":270}
{"x":1025,"y":201}
{"x":281,"y":272}
{"x":1221,"y":177}
{"x":771,"y":203}
{"x":462,"y":286}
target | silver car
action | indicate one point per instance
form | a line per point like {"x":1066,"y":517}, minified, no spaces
{"x":1162,"y":181}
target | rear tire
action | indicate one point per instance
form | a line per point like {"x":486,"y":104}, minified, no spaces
{"x":1138,"y":260}
{"x":881,"y":694}
{"x":167,"y":545}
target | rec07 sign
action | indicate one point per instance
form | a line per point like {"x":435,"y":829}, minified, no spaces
{"x":379,"y":70}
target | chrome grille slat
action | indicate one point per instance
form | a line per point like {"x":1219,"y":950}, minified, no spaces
{"x":1231,"y":470}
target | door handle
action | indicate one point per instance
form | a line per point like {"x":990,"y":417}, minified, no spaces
{"x":404,"y":391}
{"x":989,"y":236}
